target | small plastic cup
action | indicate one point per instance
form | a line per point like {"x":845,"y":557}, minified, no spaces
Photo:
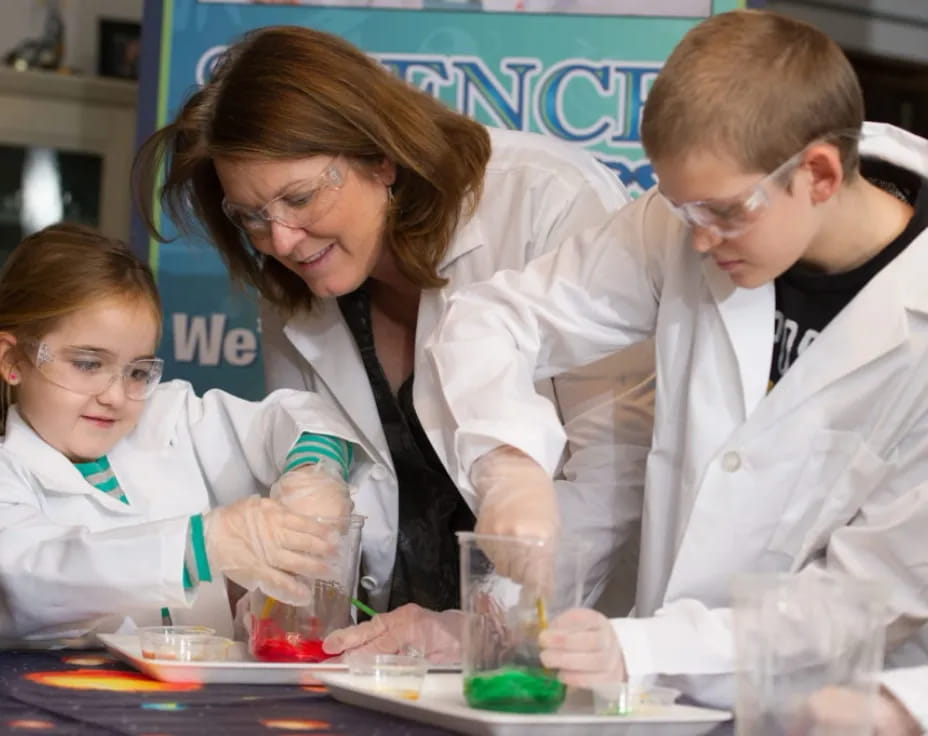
{"x":398,"y":675}
{"x":621,"y":699}
{"x":183,"y":643}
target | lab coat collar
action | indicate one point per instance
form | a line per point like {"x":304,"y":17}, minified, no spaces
{"x":324,"y":340}
{"x":468,"y":237}
{"x":54,"y":470}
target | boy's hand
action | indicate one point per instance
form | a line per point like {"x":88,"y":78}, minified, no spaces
{"x":836,"y":708}
{"x":582,"y":645}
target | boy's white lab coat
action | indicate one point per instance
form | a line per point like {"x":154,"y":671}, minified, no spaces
{"x":909,"y":685}
{"x":829,"y":471}
{"x":537,"y":193}
{"x":74,"y":560}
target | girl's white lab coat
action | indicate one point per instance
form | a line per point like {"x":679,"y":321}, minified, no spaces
{"x":829,"y":471}
{"x":537,"y":193}
{"x":74,"y":560}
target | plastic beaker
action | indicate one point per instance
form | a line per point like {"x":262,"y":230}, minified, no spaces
{"x":281,"y":632}
{"x":505,"y":613}
{"x":796,"y":634}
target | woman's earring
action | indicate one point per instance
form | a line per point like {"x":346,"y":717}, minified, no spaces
{"x":390,"y":194}
{"x":12,"y":377}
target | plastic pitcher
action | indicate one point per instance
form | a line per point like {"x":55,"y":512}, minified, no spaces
{"x":797,"y":634}
{"x":285,"y":633}
{"x":500,"y":653}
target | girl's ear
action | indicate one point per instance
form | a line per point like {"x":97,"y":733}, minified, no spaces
{"x":385,"y":172}
{"x":9,"y":359}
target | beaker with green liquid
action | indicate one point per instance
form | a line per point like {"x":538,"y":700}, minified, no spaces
{"x":510,"y":588}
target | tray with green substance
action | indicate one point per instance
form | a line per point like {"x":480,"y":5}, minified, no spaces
{"x":442,"y":703}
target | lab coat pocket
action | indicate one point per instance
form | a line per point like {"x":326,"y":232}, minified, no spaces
{"x":838,"y":474}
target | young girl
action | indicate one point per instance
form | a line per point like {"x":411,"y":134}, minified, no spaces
{"x":107,"y":478}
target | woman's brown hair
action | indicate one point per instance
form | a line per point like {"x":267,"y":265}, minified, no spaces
{"x":289,"y":92}
{"x":59,"y":271}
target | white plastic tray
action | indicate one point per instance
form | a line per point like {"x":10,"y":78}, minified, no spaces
{"x":441,"y":703}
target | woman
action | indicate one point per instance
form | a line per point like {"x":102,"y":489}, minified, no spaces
{"x":355,"y":205}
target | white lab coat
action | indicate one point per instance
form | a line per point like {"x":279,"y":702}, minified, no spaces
{"x":537,"y":193}
{"x":75,"y":561}
{"x":910,"y":687}
{"x":826,"y":472}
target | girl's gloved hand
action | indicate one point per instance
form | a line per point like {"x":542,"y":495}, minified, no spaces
{"x":437,"y":635}
{"x":259,"y":543}
{"x":582,"y":645}
{"x":317,"y":489}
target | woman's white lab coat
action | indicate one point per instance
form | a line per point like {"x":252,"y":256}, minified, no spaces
{"x":537,"y":193}
{"x":909,"y":685}
{"x":829,"y":471}
{"x":74,"y":560}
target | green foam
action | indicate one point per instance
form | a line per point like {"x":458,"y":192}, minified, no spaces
{"x":515,"y":690}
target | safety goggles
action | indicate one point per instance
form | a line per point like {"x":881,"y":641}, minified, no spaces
{"x":91,"y":372}
{"x":301,"y":206}
{"x":732,"y":216}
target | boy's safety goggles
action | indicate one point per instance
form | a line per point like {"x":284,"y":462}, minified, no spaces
{"x":91,"y":372}
{"x":732,"y":216}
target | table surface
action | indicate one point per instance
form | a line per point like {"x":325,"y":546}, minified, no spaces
{"x":89,"y":692}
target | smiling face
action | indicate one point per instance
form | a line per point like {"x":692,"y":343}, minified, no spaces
{"x":778,"y":234}
{"x":334,"y":252}
{"x":117,"y":331}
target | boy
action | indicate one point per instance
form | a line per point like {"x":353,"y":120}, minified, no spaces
{"x":786,"y":292}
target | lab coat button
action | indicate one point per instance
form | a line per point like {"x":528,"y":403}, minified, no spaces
{"x":731,"y":461}
{"x":379,"y":472}
{"x":369,"y":582}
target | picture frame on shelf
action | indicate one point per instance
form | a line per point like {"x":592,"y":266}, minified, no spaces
{"x":119,"y":48}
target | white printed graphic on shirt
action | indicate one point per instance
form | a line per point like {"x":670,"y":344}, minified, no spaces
{"x":784,"y":338}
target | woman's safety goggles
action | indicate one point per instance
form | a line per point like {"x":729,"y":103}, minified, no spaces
{"x":91,"y":372}
{"x":303,"y":204}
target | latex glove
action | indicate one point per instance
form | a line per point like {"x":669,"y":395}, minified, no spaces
{"x":516,"y":498}
{"x":836,"y":709}
{"x":259,"y":543}
{"x":317,"y":489}
{"x":409,"y":628}
{"x":582,"y":645}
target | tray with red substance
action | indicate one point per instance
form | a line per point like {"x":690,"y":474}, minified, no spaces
{"x":239,"y":667}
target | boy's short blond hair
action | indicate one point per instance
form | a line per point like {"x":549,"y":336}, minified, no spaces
{"x":756,"y":86}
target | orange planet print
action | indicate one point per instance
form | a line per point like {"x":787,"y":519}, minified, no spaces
{"x":112,"y":680}
{"x":294,"y":724}
{"x":25,"y":724}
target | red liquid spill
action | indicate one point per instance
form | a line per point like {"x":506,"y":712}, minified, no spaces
{"x":270,"y":644}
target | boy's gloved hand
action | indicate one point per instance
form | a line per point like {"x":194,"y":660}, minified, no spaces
{"x":317,"y":489}
{"x":516,"y":498}
{"x":582,"y":645}
{"x":259,"y":543}
{"x":836,"y":709}
{"x":435,"y":634}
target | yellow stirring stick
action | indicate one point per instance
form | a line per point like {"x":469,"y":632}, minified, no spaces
{"x":542,"y":615}
{"x":268,"y":607}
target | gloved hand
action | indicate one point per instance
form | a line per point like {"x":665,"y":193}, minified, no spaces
{"x":838,"y":710}
{"x":582,"y":645}
{"x":259,"y":543}
{"x":516,"y":498}
{"x":317,"y":489}
{"x":409,"y":628}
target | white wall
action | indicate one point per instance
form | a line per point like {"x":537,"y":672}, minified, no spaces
{"x":20,"y":19}
{"x":894,"y":28}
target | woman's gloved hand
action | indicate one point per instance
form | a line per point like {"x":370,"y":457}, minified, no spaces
{"x":515,"y":498}
{"x":434,"y":634}
{"x":836,"y":709}
{"x":259,"y":543}
{"x":317,"y":489}
{"x":582,"y":645}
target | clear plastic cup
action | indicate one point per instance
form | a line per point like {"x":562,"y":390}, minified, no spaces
{"x":398,"y":675}
{"x":622,"y":699}
{"x":281,"y":632}
{"x":183,"y":643}
{"x":505,"y":614}
{"x":797,"y":634}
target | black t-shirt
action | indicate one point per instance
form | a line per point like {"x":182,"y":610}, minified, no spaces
{"x":807,"y":300}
